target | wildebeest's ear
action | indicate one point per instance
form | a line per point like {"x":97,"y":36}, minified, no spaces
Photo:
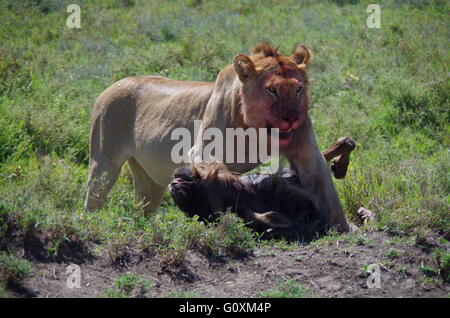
{"x":212,"y":175}
{"x":301,"y":56}
{"x":195,"y":172}
{"x":244,"y":67}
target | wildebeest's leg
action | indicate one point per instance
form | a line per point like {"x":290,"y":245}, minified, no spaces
{"x":265,"y":220}
{"x":365,"y":214}
{"x":145,"y":189}
{"x":339,"y":152}
{"x":341,"y":146}
{"x":271,"y":224}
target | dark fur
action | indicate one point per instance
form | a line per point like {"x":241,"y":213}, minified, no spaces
{"x":275,"y":205}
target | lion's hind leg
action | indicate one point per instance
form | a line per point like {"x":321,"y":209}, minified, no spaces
{"x":103,"y":175}
{"x":146,"y":191}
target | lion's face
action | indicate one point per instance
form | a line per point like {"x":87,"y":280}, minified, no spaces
{"x":274,"y":91}
{"x":277,"y":99}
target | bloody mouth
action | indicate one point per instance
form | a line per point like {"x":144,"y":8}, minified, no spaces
{"x":283,"y":136}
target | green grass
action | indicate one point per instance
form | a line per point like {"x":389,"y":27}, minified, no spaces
{"x":287,"y":288}
{"x":13,"y":270}
{"x":129,"y":285}
{"x":392,"y":253}
{"x":439,"y":267}
{"x":386,"y":88}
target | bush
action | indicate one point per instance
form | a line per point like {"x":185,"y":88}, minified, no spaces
{"x":13,"y":270}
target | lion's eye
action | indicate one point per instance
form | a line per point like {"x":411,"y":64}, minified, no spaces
{"x":299,"y":90}
{"x":272,"y":91}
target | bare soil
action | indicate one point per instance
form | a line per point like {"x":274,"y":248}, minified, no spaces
{"x":331,"y":270}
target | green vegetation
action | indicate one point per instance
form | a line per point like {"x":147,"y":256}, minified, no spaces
{"x":392,"y":253}
{"x":12,"y":271}
{"x":386,"y":88}
{"x":439,"y":268}
{"x":129,"y":285}
{"x":287,"y":288}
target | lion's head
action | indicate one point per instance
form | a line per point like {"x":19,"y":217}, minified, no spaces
{"x":274,"y":89}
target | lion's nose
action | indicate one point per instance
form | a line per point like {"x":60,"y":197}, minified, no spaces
{"x":290,"y":116}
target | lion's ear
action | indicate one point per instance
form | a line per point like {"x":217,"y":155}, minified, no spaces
{"x":301,"y":56}
{"x":244,"y":67}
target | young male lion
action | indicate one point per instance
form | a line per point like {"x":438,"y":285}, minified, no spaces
{"x":134,"y":118}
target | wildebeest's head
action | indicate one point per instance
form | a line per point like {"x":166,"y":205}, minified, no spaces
{"x":203,"y":191}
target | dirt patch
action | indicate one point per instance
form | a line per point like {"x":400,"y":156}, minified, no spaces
{"x":334,"y":269}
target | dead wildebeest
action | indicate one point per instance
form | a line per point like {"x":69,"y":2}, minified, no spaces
{"x":273,"y":205}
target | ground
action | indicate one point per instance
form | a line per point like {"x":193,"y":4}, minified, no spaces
{"x":334,"y":267}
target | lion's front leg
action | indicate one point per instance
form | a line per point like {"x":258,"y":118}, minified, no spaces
{"x":314,"y":173}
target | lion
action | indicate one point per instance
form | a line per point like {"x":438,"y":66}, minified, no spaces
{"x":132,"y":121}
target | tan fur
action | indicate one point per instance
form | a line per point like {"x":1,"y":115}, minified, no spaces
{"x":133,"y":120}
{"x":215,"y":171}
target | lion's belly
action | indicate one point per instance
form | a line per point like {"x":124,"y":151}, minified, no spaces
{"x":161,"y":110}
{"x":154,"y":155}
